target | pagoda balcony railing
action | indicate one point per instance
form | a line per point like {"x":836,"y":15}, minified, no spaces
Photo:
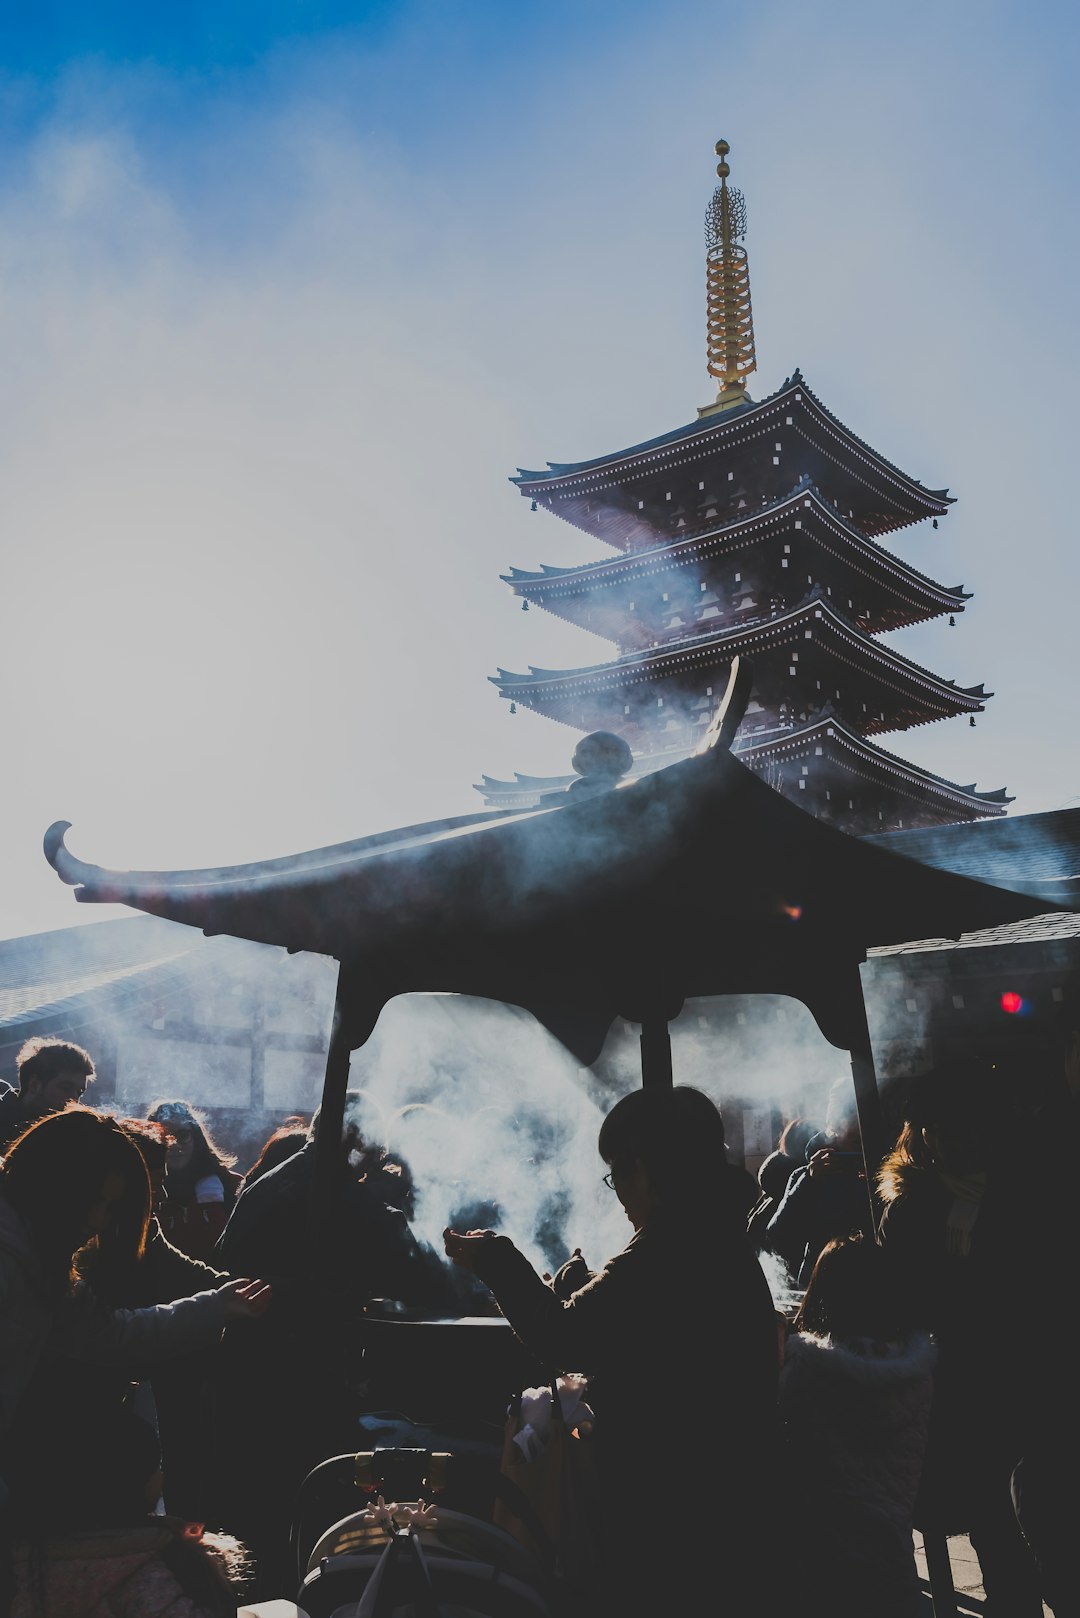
{"x":703,"y":527}
{"x":686,"y":735}
{"x":713,"y":627}
{"x":750,"y":735}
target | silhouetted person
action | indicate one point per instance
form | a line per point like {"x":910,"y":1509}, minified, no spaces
{"x":280,"y":1144}
{"x":70,"y":1177}
{"x":774,"y":1174}
{"x":677,"y":1335}
{"x":954,"y":1220}
{"x":180,"y":1389}
{"x":826,"y":1198}
{"x":367,"y":1245}
{"x":292,"y":1399}
{"x":52,"y":1073}
{"x":1045,"y":1484}
{"x":855,"y":1392}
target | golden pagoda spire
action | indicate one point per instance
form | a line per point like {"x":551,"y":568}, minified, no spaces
{"x":730,"y":319}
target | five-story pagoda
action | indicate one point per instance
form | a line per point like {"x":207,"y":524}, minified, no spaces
{"x":752,"y":531}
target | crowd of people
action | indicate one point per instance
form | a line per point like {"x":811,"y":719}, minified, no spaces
{"x":177,"y":1346}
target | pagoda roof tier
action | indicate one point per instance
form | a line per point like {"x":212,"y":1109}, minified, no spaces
{"x":827,"y":738}
{"x":526,"y":789}
{"x":894,"y":594}
{"x":673,"y":483}
{"x":904,"y":694}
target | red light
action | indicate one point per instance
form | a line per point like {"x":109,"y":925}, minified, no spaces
{"x":1012,"y":1002}
{"x":794,"y":911}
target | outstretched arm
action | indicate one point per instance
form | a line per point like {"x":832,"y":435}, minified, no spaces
{"x":86,"y":1330}
{"x":572,"y":1334}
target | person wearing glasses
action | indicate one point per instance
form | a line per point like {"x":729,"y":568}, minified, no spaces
{"x":677,"y":1335}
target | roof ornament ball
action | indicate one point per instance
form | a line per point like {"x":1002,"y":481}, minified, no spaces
{"x":601,"y":759}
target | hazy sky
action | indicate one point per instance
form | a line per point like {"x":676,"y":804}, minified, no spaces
{"x":288,"y":290}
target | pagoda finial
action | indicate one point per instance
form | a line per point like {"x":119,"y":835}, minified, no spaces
{"x":730,"y":319}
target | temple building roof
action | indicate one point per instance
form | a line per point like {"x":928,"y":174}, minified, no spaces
{"x":1043,"y":847}
{"x":1038,"y":847}
{"x":617,"y":496}
{"x":905,"y":596}
{"x":49,"y":981}
{"x":923,"y":696}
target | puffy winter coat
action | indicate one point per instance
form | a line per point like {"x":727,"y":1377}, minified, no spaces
{"x":854,"y":1417}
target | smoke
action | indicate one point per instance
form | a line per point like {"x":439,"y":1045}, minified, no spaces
{"x":780,"y":1279}
{"x":497,"y":1123}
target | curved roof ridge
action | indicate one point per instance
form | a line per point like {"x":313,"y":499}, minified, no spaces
{"x":557,"y":470}
{"x":942,"y":495}
{"x":560,"y":469}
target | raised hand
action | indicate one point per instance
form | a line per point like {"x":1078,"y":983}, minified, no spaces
{"x":245,"y":1299}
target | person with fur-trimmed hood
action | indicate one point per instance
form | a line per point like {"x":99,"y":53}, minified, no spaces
{"x":959,"y":1219}
{"x":854,"y":1400}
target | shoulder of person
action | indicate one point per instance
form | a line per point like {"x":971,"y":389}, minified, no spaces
{"x":800,"y":1178}
{"x":10,"y":1112}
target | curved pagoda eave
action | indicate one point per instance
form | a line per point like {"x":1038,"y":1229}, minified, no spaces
{"x":599,"y":495}
{"x":577,"y":594}
{"x":913,"y":695}
{"x":874,"y":763}
{"x":644,"y":764}
{"x":825,"y":740}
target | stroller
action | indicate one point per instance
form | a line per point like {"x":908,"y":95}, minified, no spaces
{"x":419,"y":1557}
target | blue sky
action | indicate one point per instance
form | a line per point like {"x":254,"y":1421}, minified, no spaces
{"x":287,"y":291}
